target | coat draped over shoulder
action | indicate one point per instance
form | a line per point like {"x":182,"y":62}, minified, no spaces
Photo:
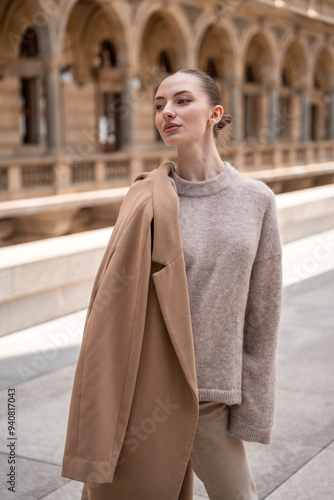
{"x":134,"y":404}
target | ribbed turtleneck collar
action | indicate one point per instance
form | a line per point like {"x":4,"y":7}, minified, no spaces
{"x":202,"y":188}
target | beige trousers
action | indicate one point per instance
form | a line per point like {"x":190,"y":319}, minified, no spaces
{"x":218,"y":459}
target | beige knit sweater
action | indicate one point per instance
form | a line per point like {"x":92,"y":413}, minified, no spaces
{"x":232,"y":251}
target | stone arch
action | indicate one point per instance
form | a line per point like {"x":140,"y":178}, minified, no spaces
{"x":158,"y":40}
{"x":294,"y":49}
{"x":16,"y":18}
{"x":114,"y":17}
{"x":258,"y":59}
{"x":24,"y":41}
{"x":257,"y":39}
{"x":215,"y":56}
{"x":161,"y":34}
{"x":322,"y":95}
{"x":93,"y":68}
{"x":293,"y":66}
{"x":257,"y":71}
{"x":207,"y":22}
{"x":216,"y":48}
{"x":293,"y":99}
{"x":323,"y":69}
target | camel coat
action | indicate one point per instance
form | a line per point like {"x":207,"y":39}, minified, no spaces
{"x":134,"y":404}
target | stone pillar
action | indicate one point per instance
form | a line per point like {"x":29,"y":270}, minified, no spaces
{"x":54,"y":105}
{"x":263,"y":112}
{"x":331,"y":116}
{"x":99,"y":172}
{"x":236,"y":110}
{"x":305,"y":118}
{"x":14,"y":179}
{"x":127,"y":110}
{"x":273,"y":114}
{"x":296,"y":118}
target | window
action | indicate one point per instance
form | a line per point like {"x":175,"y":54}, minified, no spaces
{"x":107,"y":55}
{"x":109,"y":123}
{"x":164,"y":63}
{"x":314,"y":122}
{"x":29,"y":119}
{"x":29,"y":45}
{"x":211,"y":69}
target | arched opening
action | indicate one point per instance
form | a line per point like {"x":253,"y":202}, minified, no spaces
{"x":215,"y":53}
{"x":92,"y":83}
{"x":160,"y":55}
{"x":29,"y":118}
{"x":164,"y":67}
{"x":164,"y":63}
{"x":257,"y":73}
{"x":25,"y":39}
{"x":215,"y":57}
{"x":290,"y":99}
{"x":106,"y":54}
{"x":211,"y":68}
{"x":321,"y":103}
{"x":29,"y":43}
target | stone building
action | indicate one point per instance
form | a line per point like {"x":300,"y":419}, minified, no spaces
{"x":78,"y":77}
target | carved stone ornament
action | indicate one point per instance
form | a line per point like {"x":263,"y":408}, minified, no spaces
{"x":239,"y":23}
{"x":192,"y":12}
{"x":279,"y":32}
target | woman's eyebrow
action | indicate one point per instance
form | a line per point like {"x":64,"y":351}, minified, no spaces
{"x":177,"y":93}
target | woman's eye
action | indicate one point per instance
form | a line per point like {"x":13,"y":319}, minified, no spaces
{"x":183,"y":100}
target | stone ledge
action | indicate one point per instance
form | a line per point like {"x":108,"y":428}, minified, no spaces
{"x":65,"y":201}
{"x":305,"y":212}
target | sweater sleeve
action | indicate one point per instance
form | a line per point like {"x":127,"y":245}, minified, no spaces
{"x":253,"y":419}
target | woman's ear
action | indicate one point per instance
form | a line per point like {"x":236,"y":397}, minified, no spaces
{"x":217,"y":113}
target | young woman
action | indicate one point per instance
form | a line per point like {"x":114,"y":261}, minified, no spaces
{"x":177,"y":363}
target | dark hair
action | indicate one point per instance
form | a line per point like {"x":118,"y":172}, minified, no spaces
{"x":214,"y":95}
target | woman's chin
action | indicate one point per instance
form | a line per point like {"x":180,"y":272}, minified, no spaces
{"x":173,"y":140}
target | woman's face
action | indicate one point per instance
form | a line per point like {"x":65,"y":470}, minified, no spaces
{"x":182,"y":109}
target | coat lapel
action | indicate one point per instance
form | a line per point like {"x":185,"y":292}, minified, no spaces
{"x":171,"y":281}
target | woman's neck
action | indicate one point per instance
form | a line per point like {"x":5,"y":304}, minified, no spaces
{"x":198,"y":163}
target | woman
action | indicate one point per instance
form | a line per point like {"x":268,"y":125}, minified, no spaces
{"x":189,"y":330}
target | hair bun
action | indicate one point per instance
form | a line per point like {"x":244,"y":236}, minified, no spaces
{"x":225,"y":120}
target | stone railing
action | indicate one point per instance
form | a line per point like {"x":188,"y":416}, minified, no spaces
{"x":44,"y":176}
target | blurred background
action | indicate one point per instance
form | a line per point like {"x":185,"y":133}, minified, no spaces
{"x":77,"y":82}
{"x":78,"y":78}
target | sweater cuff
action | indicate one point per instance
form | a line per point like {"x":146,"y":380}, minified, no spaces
{"x":248,"y":432}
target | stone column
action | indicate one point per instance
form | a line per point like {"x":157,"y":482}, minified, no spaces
{"x":305,"y":125}
{"x":263,"y":118}
{"x":127,"y":109}
{"x":14,"y":179}
{"x":331,"y":116}
{"x":273,"y":114}
{"x":235,"y":100}
{"x":54,"y":105}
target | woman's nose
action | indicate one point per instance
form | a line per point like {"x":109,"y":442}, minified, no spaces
{"x":168,"y":112}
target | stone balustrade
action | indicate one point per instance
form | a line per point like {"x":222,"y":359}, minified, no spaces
{"x":75,"y":172}
{"x":29,"y":219}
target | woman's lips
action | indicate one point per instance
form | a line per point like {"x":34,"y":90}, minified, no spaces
{"x":171,"y":127}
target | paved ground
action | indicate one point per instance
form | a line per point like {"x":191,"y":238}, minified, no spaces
{"x":299,"y":465}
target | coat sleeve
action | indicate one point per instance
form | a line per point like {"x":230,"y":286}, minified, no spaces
{"x":253,"y":419}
